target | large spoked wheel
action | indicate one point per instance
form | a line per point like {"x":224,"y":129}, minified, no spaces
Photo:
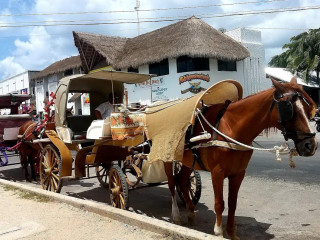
{"x":119,"y":194}
{"x":193,"y":185}
{"x":50,"y":169}
{"x":102,"y":172}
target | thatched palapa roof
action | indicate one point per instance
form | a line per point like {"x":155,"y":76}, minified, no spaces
{"x":95,"y":47}
{"x":192,"y":37}
{"x":59,"y":66}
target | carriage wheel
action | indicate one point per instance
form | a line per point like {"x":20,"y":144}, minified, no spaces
{"x":119,"y":195}
{"x":50,"y":169}
{"x":102,"y":172}
{"x":194,"y":184}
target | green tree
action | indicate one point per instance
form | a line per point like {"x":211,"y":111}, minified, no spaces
{"x":302,"y":54}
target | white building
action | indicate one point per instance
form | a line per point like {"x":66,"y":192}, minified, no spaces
{"x":187,"y":57}
{"x":19,"y":84}
{"x":254,"y":66}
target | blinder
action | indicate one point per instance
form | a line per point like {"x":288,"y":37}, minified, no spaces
{"x":285,"y":112}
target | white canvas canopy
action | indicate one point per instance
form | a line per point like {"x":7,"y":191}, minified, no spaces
{"x":98,"y":84}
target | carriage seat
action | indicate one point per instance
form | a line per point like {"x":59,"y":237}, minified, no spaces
{"x":79,"y":124}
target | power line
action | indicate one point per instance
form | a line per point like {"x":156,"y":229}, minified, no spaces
{"x":134,"y":29}
{"x":174,"y":18}
{"x":244,"y":13}
{"x":140,"y":10}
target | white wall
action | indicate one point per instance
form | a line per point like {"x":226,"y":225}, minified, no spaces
{"x":168,"y":86}
{"x":254,"y":66}
{"x":16,"y":83}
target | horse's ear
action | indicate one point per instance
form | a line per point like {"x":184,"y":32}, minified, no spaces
{"x":294,"y":81}
{"x":280,"y":88}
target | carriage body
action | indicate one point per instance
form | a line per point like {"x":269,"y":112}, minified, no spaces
{"x":10,"y":124}
{"x":80,"y":141}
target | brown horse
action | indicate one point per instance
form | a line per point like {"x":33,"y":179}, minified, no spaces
{"x":30,"y":152}
{"x":286,"y":107}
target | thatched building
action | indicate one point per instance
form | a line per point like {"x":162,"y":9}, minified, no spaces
{"x":187,"y":57}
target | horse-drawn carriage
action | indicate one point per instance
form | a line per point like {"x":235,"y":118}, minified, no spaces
{"x":146,"y":143}
{"x":115,"y":146}
{"x":10,"y":122}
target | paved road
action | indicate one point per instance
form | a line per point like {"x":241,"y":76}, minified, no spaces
{"x":275,"y":201}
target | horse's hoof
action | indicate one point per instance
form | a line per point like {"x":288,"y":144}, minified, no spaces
{"x":231,"y":236}
{"x":191,"y":219}
{"x":176,"y":220}
{"x":218,"y":231}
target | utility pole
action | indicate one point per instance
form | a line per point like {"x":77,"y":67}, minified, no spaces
{"x":137,"y":9}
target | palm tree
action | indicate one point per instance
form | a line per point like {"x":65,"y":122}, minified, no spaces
{"x":302,"y":54}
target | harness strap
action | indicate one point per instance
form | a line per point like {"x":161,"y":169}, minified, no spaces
{"x":218,"y":143}
{"x":220,"y":114}
{"x":196,"y":158}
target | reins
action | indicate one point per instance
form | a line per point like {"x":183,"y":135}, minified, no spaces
{"x":278,"y":150}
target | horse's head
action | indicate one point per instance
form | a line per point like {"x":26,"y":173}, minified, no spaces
{"x":295,"y":109}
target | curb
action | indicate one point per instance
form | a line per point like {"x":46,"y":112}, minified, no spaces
{"x":127,"y":217}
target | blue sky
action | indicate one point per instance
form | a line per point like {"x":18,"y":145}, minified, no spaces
{"x":36,"y":47}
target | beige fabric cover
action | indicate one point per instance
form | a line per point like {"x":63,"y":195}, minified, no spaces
{"x":153,"y":172}
{"x":167,"y":127}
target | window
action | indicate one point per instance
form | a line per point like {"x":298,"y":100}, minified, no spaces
{"x":68,"y":72}
{"x":227,"y":65}
{"x":159,"y":68}
{"x":133,"y":70}
{"x":189,"y":64}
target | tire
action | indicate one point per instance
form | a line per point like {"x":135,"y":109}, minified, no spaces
{"x":102,"y":172}
{"x":50,"y":169}
{"x":318,"y":127}
{"x":194,"y":184}
{"x":119,"y":192}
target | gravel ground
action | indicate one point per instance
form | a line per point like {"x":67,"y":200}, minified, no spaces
{"x":30,"y":217}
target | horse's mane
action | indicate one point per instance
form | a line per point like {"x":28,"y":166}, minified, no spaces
{"x":252,"y":95}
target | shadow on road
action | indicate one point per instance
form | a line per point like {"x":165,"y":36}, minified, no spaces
{"x":156,"y":202}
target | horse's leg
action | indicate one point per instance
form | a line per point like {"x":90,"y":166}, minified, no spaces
{"x":184,"y":184}
{"x":31,"y":161}
{"x":217,"y":176}
{"x":171,"y":183}
{"x":24,"y":163}
{"x":234,"y":185}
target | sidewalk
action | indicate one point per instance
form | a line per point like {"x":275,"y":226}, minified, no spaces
{"x":28,"y":216}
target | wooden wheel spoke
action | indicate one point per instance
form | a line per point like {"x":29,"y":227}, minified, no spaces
{"x":50,"y":168}
{"x":55,"y":183}
{"x":45,"y":165}
{"x":55,"y":176}
{"x":55,"y":163}
{"x":51,"y":183}
{"x":49,"y":157}
{"x":48,"y":183}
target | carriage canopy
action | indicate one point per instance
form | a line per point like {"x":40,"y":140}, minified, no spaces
{"x":100,"y":84}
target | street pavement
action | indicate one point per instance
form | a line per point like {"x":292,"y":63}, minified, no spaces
{"x":275,"y":201}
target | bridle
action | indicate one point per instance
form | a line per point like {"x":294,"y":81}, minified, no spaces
{"x":286,"y":113}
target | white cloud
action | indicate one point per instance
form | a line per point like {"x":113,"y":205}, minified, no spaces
{"x":45,"y":45}
{"x":9,"y":67}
